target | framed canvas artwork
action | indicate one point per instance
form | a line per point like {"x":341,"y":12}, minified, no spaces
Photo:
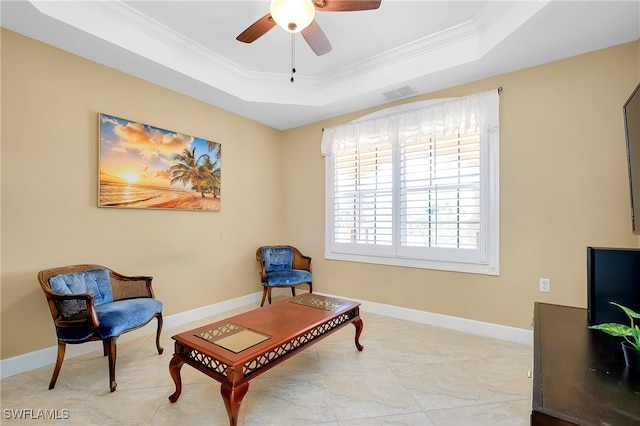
{"x":146,"y":167}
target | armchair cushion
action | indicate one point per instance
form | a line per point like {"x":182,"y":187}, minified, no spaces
{"x":114,"y":317}
{"x":118,"y":317}
{"x":93,"y":281}
{"x":288,"y":277}
{"x":277,"y":258}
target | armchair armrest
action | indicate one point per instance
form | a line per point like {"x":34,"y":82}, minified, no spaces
{"x":73,"y":310}
{"x":263,"y":270}
{"x":131,"y":287}
{"x":300,"y":261}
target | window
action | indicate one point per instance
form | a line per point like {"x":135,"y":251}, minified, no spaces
{"x":416,"y":185}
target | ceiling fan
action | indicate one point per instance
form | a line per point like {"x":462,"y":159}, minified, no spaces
{"x":299,"y":16}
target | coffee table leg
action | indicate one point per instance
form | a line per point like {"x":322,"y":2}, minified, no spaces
{"x":232,"y":397}
{"x":174,"y":369}
{"x":358,"y":324}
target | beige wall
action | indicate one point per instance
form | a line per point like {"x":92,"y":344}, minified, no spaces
{"x":50,"y":102}
{"x":563,"y":187}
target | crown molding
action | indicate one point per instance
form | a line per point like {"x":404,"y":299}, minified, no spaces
{"x":126,"y":27}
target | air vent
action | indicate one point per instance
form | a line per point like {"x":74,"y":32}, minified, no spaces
{"x":400,"y":92}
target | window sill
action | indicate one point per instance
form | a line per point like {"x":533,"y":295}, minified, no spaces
{"x":470,"y":268}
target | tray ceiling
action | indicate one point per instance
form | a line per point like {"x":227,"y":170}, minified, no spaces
{"x":402,"y":49}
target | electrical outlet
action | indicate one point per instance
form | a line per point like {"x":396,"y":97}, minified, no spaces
{"x":545,"y":285}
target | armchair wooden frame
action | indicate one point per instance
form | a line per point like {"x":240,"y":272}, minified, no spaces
{"x":123,"y":287}
{"x":300,"y":261}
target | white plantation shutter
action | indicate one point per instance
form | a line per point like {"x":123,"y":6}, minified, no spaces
{"x":417,"y":187}
{"x":363,"y":193}
{"x":362,"y":188}
{"x":440,"y":191}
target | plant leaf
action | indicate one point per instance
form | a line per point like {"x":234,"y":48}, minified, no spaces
{"x":614,"y":329}
{"x":629,"y":312}
{"x":635,"y":332}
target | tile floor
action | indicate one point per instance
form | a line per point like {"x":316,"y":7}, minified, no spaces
{"x":407,"y":374}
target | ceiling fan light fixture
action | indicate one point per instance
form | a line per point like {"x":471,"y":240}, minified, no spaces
{"x":292,"y":15}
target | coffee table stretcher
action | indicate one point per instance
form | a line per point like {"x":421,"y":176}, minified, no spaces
{"x":234,"y":370}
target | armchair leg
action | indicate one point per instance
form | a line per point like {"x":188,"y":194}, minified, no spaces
{"x":56,"y":370}
{"x":269,"y":294}
{"x":112,"y":352}
{"x":293,"y":291}
{"x":310,"y":287}
{"x":264,"y":295}
{"x":160,"y":321}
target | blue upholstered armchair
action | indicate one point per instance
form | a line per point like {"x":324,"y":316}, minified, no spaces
{"x":283,"y":266}
{"x":91,"y":302}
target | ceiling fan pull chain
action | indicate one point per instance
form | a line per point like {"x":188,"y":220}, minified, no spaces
{"x":293,"y":55}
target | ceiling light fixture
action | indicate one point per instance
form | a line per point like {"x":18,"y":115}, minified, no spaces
{"x":292,"y":15}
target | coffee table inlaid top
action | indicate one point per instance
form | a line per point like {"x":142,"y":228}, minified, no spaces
{"x":236,"y":340}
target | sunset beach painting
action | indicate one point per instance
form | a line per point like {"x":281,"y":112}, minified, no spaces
{"x":142,"y":166}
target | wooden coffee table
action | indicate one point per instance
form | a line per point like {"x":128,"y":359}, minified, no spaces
{"x":237,"y":349}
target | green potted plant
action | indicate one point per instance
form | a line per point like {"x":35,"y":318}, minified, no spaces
{"x":631,"y":335}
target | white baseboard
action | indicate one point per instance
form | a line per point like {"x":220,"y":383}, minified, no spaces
{"x":487,"y":329}
{"x":43,"y":357}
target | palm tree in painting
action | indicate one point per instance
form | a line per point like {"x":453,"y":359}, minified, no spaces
{"x":202,"y":172}
{"x":212,"y":175}
{"x":216,"y":167}
{"x":189,"y":169}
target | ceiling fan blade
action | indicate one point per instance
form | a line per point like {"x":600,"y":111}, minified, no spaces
{"x":257,"y":29}
{"x":346,"y":5}
{"x":315,"y":38}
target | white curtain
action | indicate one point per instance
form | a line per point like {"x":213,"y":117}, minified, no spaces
{"x":477,"y":112}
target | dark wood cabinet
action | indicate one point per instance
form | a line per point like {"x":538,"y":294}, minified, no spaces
{"x":579,"y":375}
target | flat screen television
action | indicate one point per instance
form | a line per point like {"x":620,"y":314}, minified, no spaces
{"x":632,"y":133}
{"x":613,"y":275}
